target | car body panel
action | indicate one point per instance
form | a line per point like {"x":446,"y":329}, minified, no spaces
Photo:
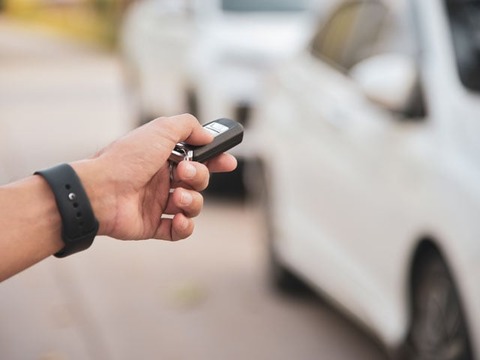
{"x":156,"y":38}
{"x":354,"y":190}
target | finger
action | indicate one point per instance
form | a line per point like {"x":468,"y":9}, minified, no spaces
{"x":222,"y":163}
{"x":182,"y":227}
{"x":183,"y":127}
{"x":186,"y":201}
{"x":192,"y":174}
{"x":177,"y":228}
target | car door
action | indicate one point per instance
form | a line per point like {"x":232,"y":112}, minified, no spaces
{"x":342,"y":206}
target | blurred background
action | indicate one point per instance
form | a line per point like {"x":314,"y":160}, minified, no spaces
{"x":328,"y":240}
{"x":63,"y":95}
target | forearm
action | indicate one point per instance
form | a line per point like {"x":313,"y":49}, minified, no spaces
{"x":30,"y":223}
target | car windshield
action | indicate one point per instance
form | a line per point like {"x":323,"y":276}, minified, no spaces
{"x":263,"y":5}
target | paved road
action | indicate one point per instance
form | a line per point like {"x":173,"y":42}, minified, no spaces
{"x":204,"y":298}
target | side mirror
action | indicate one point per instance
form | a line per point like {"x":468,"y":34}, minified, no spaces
{"x":388,"y":80}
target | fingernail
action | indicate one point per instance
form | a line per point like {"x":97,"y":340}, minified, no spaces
{"x":190,"y":171}
{"x":186,"y":198}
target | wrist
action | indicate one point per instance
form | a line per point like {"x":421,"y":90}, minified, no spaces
{"x":79,"y":225}
{"x":34,"y":193}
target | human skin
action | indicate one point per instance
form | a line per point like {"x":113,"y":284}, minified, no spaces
{"x":129,"y":187}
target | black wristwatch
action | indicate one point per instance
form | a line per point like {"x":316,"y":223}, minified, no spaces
{"x":79,"y":225}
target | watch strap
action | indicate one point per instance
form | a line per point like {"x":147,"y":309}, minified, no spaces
{"x":79,"y":225}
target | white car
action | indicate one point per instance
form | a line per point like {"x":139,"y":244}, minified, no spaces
{"x":368,"y":144}
{"x":237,"y":45}
{"x":155,"y":41}
{"x":208,"y":56}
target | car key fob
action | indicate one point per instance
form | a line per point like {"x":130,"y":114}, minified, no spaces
{"x":227,"y":134}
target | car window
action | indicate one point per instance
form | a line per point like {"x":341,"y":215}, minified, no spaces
{"x":263,"y":5}
{"x":350,"y":34}
{"x":464,"y":17}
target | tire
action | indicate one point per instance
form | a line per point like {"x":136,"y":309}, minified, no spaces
{"x":192,"y":102}
{"x":438,"y":330}
{"x":228,"y":185}
{"x":281,"y":279}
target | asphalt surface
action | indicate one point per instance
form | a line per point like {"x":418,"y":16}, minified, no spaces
{"x":202,"y":298}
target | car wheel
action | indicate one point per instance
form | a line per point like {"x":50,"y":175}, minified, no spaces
{"x":192,"y":102}
{"x":281,"y":278}
{"x":228,"y":185}
{"x":438,"y":330}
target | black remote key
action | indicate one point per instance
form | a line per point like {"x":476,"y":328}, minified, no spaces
{"x":227,"y":134}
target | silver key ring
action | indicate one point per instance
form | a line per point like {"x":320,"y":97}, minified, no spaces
{"x":187,"y":156}
{"x":171,"y":167}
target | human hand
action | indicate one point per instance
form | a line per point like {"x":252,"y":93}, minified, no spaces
{"x":128,"y":182}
